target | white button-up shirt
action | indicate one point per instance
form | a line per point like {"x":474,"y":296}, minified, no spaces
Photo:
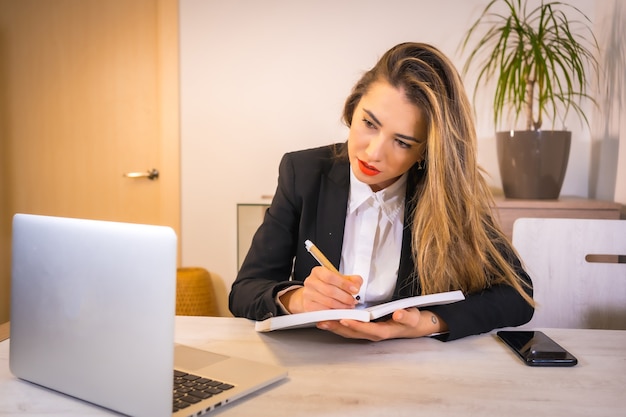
{"x":372,"y":239}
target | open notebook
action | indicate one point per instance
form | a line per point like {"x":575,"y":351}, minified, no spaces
{"x":92,"y":316}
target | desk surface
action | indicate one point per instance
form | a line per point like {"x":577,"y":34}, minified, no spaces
{"x":331,"y":376}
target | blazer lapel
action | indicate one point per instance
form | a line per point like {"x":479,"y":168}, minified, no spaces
{"x":331,"y":210}
{"x":406,"y":270}
{"x":408,"y":282}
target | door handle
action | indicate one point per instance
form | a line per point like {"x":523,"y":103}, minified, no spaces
{"x":152,"y":174}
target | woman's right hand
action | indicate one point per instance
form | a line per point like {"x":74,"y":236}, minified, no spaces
{"x":323,"y":290}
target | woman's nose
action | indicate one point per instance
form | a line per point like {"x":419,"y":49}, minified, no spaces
{"x":375,"y":147}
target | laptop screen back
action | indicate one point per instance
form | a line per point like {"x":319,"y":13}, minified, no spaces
{"x":92,"y":310}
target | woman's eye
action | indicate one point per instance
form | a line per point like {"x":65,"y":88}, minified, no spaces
{"x":403,"y":144}
{"x":369,"y":124}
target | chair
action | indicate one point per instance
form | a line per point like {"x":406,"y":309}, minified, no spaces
{"x":578,"y":270}
{"x":195,"y":294}
{"x":5,"y":330}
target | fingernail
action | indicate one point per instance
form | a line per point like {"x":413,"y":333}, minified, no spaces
{"x":354,"y":290}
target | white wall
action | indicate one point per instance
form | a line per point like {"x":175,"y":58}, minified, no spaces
{"x":608,"y":158}
{"x":263,"y":77}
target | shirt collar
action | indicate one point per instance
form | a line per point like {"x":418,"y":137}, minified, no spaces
{"x":390,"y":199}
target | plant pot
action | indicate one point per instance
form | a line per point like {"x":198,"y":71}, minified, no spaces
{"x":533,"y":163}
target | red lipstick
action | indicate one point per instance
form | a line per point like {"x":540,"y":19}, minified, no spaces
{"x":367,"y":169}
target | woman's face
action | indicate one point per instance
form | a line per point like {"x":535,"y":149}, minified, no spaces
{"x":387,"y":136}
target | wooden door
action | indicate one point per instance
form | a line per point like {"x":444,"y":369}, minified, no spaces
{"x":88,"y":93}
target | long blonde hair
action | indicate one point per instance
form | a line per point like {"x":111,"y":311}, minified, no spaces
{"x":456,"y":242}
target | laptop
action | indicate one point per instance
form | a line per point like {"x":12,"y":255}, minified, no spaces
{"x":92,"y":316}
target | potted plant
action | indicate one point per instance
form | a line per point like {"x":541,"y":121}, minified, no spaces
{"x":539,"y":58}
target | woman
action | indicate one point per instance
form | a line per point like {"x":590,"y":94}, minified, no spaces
{"x":401,"y":208}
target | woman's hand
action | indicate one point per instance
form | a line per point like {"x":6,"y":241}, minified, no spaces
{"x":323,"y":290}
{"x":408,"y":323}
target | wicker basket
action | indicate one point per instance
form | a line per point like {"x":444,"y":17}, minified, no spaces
{"x":195,"y":295}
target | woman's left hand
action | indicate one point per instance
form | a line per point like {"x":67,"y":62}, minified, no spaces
{"x":408,"y":323}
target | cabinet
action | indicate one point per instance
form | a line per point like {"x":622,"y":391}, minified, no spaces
{"x":508,"y":210}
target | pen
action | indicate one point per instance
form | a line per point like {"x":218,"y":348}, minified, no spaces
{"x":321,"y":259}
{"x":319,"y":256}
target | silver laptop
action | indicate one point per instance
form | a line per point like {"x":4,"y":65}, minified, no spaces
{"x":92,"y":316}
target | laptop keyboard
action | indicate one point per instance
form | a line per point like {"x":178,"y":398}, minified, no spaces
{"x":190,"y":389}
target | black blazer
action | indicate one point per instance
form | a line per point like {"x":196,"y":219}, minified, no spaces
{"x":310,"y":202}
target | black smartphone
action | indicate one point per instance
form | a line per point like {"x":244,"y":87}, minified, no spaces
{"x":536,"y":348}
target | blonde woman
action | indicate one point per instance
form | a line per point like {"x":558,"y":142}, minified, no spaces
{"x":400,"y":208}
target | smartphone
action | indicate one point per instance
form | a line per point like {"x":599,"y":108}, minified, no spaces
{"x":536,"y":348}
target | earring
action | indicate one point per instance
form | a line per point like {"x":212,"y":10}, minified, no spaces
{"x":421,"y":164}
